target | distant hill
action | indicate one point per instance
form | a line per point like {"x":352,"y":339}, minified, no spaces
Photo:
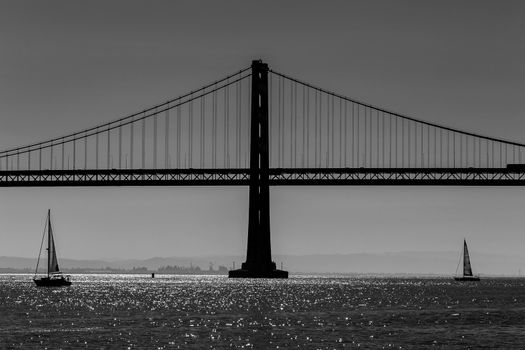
{"x":442,"y":263}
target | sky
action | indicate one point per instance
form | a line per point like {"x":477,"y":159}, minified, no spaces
{"x":66,"y":66}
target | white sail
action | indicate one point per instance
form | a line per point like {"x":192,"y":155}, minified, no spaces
{"x":467,"y":269}
{"x":52,"y":262}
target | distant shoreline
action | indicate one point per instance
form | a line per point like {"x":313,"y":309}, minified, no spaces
{"x":115,"y":272}
{"x":292,"y":274}
{"x":361,"y":264}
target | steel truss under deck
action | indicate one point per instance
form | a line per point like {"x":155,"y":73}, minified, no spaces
{"x":277,"y":177}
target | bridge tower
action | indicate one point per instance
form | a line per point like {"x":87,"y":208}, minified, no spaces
{"x":259,"y":262}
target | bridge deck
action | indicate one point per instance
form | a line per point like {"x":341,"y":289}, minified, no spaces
{"x":278,"y":177}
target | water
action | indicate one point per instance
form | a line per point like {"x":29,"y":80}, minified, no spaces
{"x":311,"y":312}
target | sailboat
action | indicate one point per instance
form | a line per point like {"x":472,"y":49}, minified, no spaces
{"x":467,"y":269}
{"x":54,"y":277}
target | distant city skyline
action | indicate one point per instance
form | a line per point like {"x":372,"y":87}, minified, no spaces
{"x":66,"y":67}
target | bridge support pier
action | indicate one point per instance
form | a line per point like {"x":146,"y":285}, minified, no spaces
{"x":259,"y":262}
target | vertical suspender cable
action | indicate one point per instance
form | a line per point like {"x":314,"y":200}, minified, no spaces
{"x":62,"y":153}
{"x":441,"y":148}
{"x":315,"y":128}
{"x":203,"y":132}
{"x":303,"y":149}
{"x":479,"y":152}
{"x":328,"y":121}
{"x":143,"y":143}
{"x":358,"y":155}
{"x":307,"y":128}
{"x":346,"y":132}
{"x":396,"y":143}
{"x":409,"y":127}
{"x":131,"y":136}
{"x":500,"y":154}
{"x":416,"y":139}
{"x":377,"y":135}
{"x":422,"y":146}
{"x":237,"y":113}
{"x":428,"y":146}
{"x":353,"y":139}
{"x":383,"y":139}
{"x":283,"y":125}
{"x":226,"y":126}
{"x":370,"y":139}
{"x":487,"y":146}
{"x":435,"y":147}
{"x":466,"y":151}
{"x":291,"y":122}
{"x":190,"y":130}
{"x":215,"y":128}
{"x":120,"y":147}
{"x":295,"y":125}
{"x":96,"y":149}
{"x":366,"y":134}
{"x":446,"y":141}
{"x":403,"y":132}
{"x":108,"y":166}
{"x":492,"y":151}
{"x":179,"y":133}
{"x":460,"y":150}
{"x":318,"y":117}
{"x":340,"y":133}
{"x":74,"y":153}
{"x":85,"y":150}
{"x":390,"y":118}
{"x":166,"y":138}
{"x":454,"y":148}
{"x":213,"y":98}
{"x":332,"y":136}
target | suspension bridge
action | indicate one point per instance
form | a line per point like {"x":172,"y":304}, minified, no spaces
{"x":260,"y":128}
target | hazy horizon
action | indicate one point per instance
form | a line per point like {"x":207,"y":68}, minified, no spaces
{"x":431,"y":262}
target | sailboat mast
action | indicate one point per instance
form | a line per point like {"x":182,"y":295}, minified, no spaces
{"x":48,"y":241}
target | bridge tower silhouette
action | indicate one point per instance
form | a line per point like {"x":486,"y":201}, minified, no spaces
{"x":259,"y":252}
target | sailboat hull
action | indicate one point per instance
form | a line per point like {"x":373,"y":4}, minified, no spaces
{"x":466,"y":278}
{"x":52,"y":282}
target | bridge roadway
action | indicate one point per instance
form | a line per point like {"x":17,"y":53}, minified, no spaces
{"x":277,"y":177}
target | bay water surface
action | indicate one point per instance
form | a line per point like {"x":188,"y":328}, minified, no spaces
{"x":303,"y":312}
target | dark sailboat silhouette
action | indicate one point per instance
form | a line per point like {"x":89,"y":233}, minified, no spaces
{"x":467,"y":268}
{"x":54,"y":277}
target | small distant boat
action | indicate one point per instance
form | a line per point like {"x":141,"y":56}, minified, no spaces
{"x":54,"y":277}
{"x":467,"y":268}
